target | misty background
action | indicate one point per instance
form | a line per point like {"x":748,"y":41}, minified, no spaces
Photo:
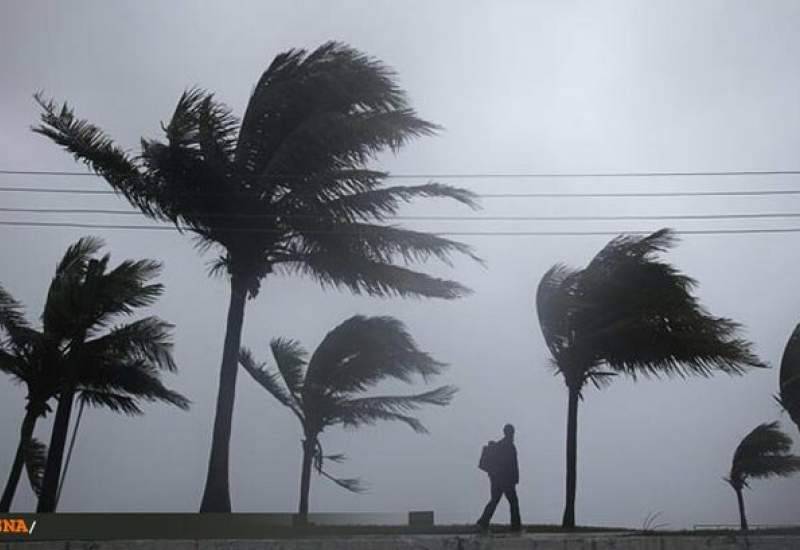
{"x":546,"y":86}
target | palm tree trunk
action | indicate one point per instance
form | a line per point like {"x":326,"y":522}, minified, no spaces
{"x":305,"y":477}
{"x":26,"y":432}
{"x":216,"y":496}
{"x":742,"y":516}
{"x":69,"y":451}
{"x":568,"y":521}
{"x":58,"y":440}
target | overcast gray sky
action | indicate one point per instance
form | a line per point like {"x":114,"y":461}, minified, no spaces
{"x":556,"y":86}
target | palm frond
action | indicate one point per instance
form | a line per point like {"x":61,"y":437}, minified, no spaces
{"x":378,"y":203}
{"x":290,"y":358}
{"x":790,"y":377}
{"x":362,"y":351}
{"x":91,"y":146}
{"x":146,"y":339}
{"x":268,"y":380}
{"x":368,"y":410}
{"x":384,"y":244}
{"x":12,"y":314}
{"x":114,"y":402}
{"x":35,"y":457}
{"x":365,"y":276}
{"x":138,"y":379}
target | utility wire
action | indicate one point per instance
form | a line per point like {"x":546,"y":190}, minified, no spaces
{"x":487,"y":175}
{"x":766,"y":192}
{"x":444,"y":233}
{"x":98,"y":211}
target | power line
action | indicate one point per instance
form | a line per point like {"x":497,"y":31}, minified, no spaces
{"x":444,"y":233}
{"x":766,"y":192}
{"x":486,"y":175}
{"x":768,"y":215}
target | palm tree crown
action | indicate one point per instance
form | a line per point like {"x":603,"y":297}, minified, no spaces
{"x":632,"y":313}
{"x":287,"y":187}
{"x":763,"y":453}
{"x":327,"y":389}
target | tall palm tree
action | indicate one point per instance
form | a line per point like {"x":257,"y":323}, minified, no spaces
{"x":288,"y":189}
{"x":328,"y":389}
{"x":763,"y":453}
{"x":628,"y":312}
{"x":789,"y":381}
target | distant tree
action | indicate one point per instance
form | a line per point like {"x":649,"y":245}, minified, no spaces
{"x":85,"y":352}
{"x":352,"y":358}
{"x":789,"y":385}
{"x":628,"y":312}
{"x":763,"y":453}
{"x":287,"y":189}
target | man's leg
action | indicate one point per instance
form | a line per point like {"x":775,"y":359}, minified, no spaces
{"x":488,"y":512}
{"x":513,"y":502}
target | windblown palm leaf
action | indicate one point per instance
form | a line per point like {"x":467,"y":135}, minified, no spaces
{"x":288,"y":189}
{"x":790,"y":377}
{"x":630,"y":312}
{"x":353,"y":357}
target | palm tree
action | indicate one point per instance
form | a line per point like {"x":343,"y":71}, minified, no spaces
{"x":71,"y":356}
{"x":21,"y":353}
{"x":789,"y":396}
{"x":96,"y":357}
{"x":628,"y":312}
{"x":763,"y":453}
{"x":353,"y":357}
{"x":287,"y":189}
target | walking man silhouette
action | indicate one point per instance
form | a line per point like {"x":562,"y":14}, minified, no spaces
{"x":499,"y":460}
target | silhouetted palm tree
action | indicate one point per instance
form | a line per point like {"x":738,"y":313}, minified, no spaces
{"x":353,"y":357}
{"x":789,"y":384}
{"x":88,"y":352}
{"x":286,"y":189}
{"x":628,"y":312}
{"x":22,"y":355}
{"x":763,"y":453}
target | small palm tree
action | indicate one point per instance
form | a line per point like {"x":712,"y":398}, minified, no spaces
{"x":763,"y":453}
{"x":628,"y":312}
{"x":85,"y":352}
{"x":789,"y":385}
{"x":286,"y":190}
{"x":353,"y":357}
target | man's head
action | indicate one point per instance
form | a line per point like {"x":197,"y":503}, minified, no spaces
{"x":508,"y":431}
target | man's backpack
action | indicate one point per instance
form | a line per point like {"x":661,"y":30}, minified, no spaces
{"x":488,"y":461}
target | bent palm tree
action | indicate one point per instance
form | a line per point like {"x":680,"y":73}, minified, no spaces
{"x":287,"y":189}
{"x":628,"y":312}
{"x":763,"y":453}
{"x":116,"y":367}
{"x":353,"y":357}
{"x":789,"y":396}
